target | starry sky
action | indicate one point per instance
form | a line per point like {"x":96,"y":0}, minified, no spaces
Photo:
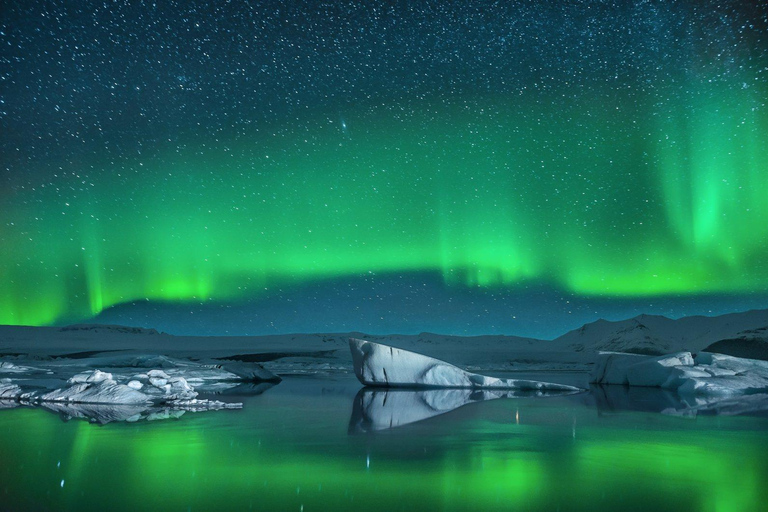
{"x":456,"y":166}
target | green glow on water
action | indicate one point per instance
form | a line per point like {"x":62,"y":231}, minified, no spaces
{"x":285,"y":452}
{"x":607,"y":192}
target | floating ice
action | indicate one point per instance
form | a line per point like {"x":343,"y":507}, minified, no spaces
{"x":99,"y":387}
{"x":250,"y":371}
{"x":706,"y":374}
{"x":384,"y":366}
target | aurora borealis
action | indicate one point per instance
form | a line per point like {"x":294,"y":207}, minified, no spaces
{"x":185,"y":153}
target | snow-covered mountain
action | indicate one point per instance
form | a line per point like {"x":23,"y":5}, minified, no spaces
{"x":740,"y":334}
{"x":653,"y":334}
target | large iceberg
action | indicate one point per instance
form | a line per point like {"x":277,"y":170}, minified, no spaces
{"x":384,"y":366}
{"x":705,"y":374}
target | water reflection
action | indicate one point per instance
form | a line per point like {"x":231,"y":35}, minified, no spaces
{"x":609,"y":398}
{"x":291,"y":447}
{"x":105,"y":413}
{"x":381,"y":409}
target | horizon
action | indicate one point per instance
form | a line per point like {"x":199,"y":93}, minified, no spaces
{"x":386,"y":334}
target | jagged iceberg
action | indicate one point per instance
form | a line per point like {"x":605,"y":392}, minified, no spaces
{"x":705,"y":374}
{"x":384,"y":366}
{"x":152,"y":388}
{"x":97,"y":387}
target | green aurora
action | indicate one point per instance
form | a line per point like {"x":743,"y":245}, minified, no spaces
{"x":606,"y":191}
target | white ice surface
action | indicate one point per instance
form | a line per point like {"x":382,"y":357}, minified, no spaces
{"x":99,"y":387}
{"x":707,"y":374}
{"x":384,"y":366}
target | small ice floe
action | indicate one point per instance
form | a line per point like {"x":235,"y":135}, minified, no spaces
{"x":94,"y":387}
{"x":705,"y":374}
{"x":12,"y":368}
{"x":193,"y":371}
{"x":97,"y":397}
{"x":384,"y":366}
{"x":97,"y":387}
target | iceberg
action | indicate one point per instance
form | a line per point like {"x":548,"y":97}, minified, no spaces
{"x":380,"y":365}
{"x":97,"y":387}
{"x":705,"y":374}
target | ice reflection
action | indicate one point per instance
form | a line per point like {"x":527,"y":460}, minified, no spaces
{"x":381,"y":409}
{"x":609,"y":398}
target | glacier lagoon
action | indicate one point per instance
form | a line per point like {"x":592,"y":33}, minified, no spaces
{"x":304,"y":445}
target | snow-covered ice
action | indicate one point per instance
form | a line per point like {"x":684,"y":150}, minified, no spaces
{"x":384,"y":366}
{"x":99,"y":398}
{"x":705,"y":374}
{"x":99,"y":387}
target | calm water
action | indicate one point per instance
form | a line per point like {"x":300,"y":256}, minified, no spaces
{"x":306,"y":445}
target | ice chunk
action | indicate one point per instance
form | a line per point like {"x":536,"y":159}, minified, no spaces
{"x":157,"y":374}
{"x":655,"y":371}
{"x":90,"y":377}
{"x":385,"y":366}
{"x":250,"y":372}
{"x":9,"y":390}
{"x":99,"y":387}
{"x":680,"y":375}
{"x":8,"y":367}
{"x":611,"y":367}
{"x":707,"y":374}
{"x":103,"y":392}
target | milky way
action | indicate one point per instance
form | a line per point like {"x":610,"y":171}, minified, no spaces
{"x":186,"y":153}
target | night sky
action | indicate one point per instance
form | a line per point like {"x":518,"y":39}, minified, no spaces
{"x":455,"y":166}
